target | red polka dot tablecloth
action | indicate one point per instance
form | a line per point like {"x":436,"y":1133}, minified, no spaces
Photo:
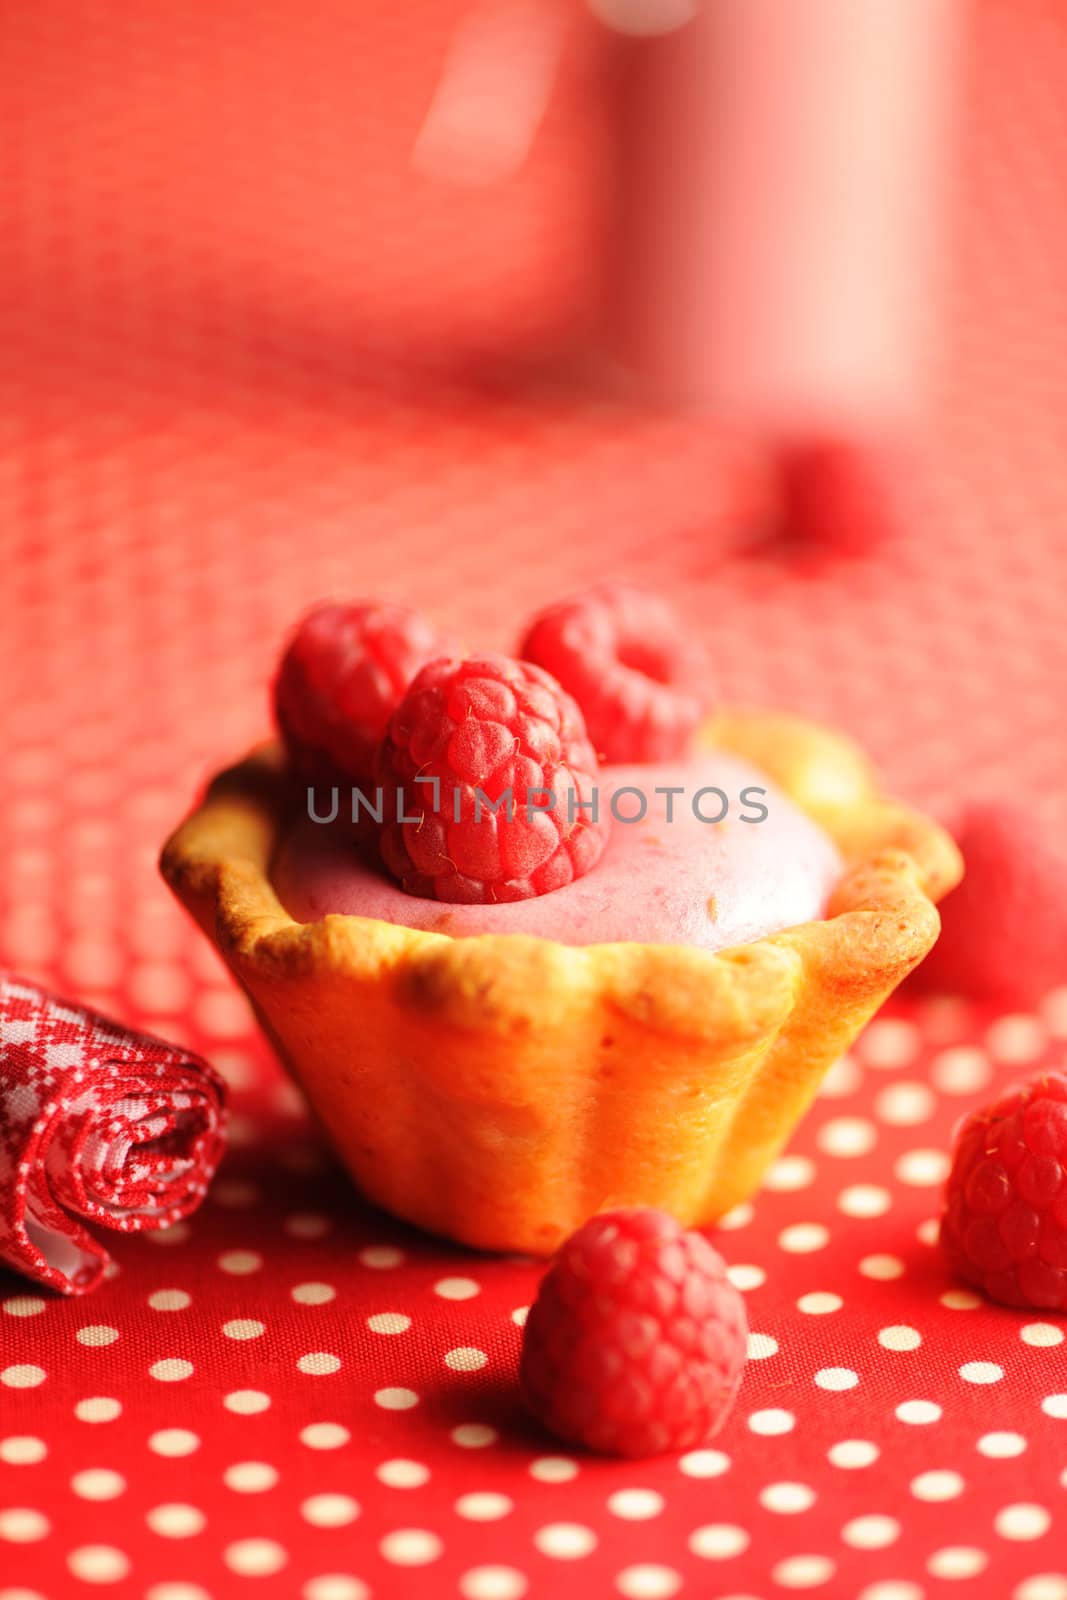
{"x":250,"y":359}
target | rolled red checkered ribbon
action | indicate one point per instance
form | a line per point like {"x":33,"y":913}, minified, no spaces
{"x":96,"y":1123}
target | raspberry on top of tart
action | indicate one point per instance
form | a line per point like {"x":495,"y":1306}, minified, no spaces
{"x":488,"y":791}
{"x":490,"y":783}
{"x":637,"y":673}
{"x":341,"y":675}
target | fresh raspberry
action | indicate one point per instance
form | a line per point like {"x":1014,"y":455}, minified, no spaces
{"x":628,"y":661}
{"x":637,"y":1339}
{"x":1005,"y":1222}
{"x":840,"y":499}
{"x":340,"y":679}
{"x":1004,"y":930}
{"x":467,"y":736}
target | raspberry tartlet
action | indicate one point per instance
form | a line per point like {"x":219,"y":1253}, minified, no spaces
{"x":504,"y":1034}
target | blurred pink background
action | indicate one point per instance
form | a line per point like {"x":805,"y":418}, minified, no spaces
{"x":252,"y":357}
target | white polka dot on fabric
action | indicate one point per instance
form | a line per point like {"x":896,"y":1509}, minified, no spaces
{"x":847,"y":1137}
{"x":1042,"y":1335}
{"x":746,"y":1277}
{"x":484,"y":1506}
{"x":842,"y":1080}
{"x":960,"y":1299}
{"x":981,"y":1372}
{"x":1042,"y":1586}
{"x":324,"y":1435}
{"x":473,"y":1435}
{"x":899,"y":1337}
{"x":244,"y":1328}
{"x":98,"y":1563}
{"x":329,"y":1510}
{"x":250,"y":1477}
{"x":173,"y":1442}
{"x":1001,"y":1446}
{"x":175,"y":1591}
{"x":319,"y":1363}
{"x":410,"y":1547}
{"x":98,"y":1483}
{"x":235,"y":1194}
{"x":918,"y":1412}
{"x":565,"y":1541}
{"x":738,"y":1217}
{"x":335,"y":1586}
{"x":921,"y":1168}
{"x":761,"y":1346}
{"x":635,"y":1505}
{"x":222,"y":1013}
{"x":172,"y":1370}
{"x":872,"y":1532}
{"x":381,"y":1256}
{"x":853,"y":1453}
{"x":937,"y":1485}
{"x":519,"y":1315}
{"x":465,"y":1359}
{"x":1022,"y":1521}
{"x":836,"y":1379}
{"x":387,"y":1322}
{"x":882,"y":1268}
{"x":395,"y":1399}
{"x":801,"y":1238}
{"x":1054,"y":1013}
{"x":23,"y":1375}
{"x":905,"y":1105}
{"x":1055,"y":1405}
{"x":170,"y":1300}
{"x":246,"y":1402}
{"x":313,"y":1294}
{"x":960,"y":1070}
{"x":240,"y":1262}
{"x":789,"y":1173}
{"x":289,"y":1100}
{"x":24,"y":1305}
{"x":96,"y":1334}
{"x":98,"y":1408}
{"x":22,"y":1450}
{"x":177,"y":1233}
{"x":1015,"y":1039}
{"x":401,"y":1474}
{"x":553,"y":1469}
{"x":929,"y":1231}
{"x":819,"y":1304}
{"x":307,"y":1225}
{"x":892,"y":1589}
{"x":23,"y":1525}
{"x":771,"y":1422}
{"x":803,"y":1572}
{"x":176,"y":1521}
{"x":864,"y":1200}
{"x":718,"y":1541}
{"x":787,"y":1499}
{"x":255,"y":1558}
{"x":158,"y":986}
{"x":648,"y":1581}
{"x":704,"y":1464}
{"x":957,"y":1561}
{"x":493,"y":1583}
{"x":889,"y":1042}
{"x":456,"y":1288}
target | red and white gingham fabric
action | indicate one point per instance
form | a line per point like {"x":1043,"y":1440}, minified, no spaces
{"x":96,"y":1123}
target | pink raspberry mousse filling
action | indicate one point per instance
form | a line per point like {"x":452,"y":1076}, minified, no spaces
{"x":683,"y":881}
